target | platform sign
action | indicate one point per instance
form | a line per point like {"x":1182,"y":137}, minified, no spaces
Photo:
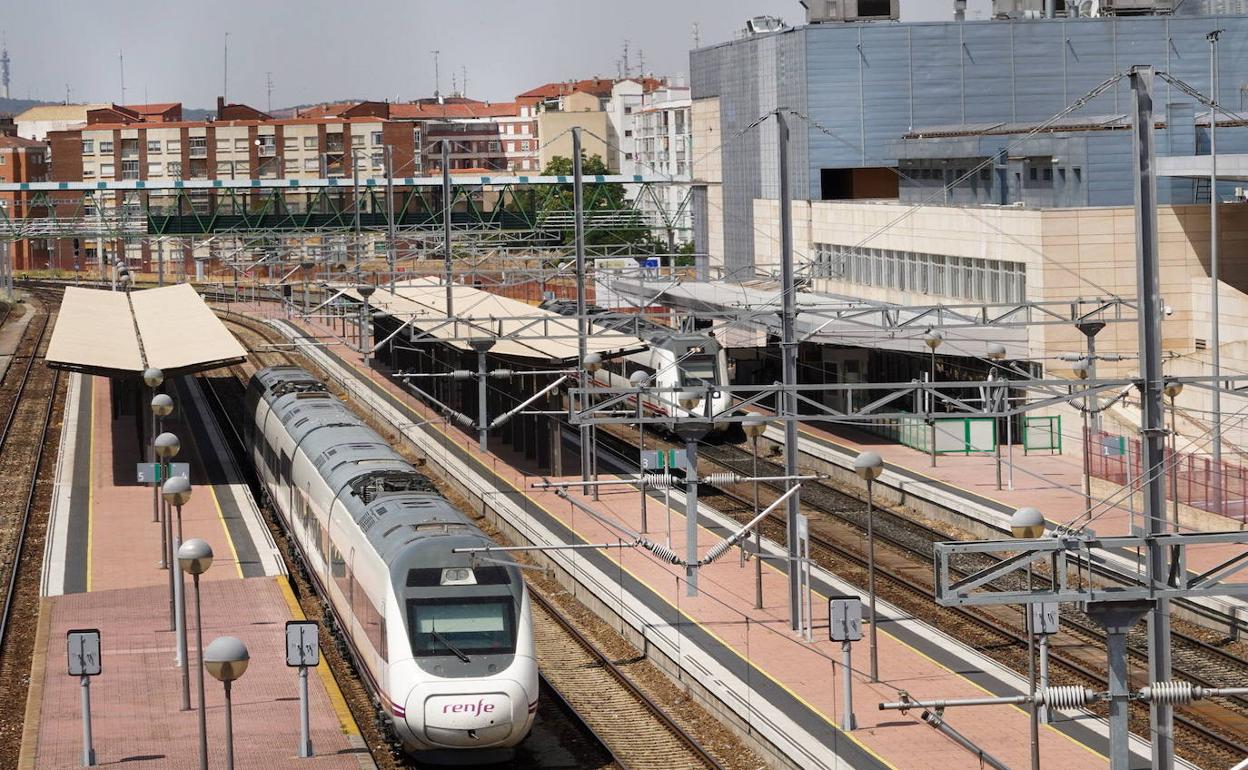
{"x":1045,"y":618}
{"x":844,"y":618}
{"x":148,"y":473}
{"x":83,"y":647}
{"x":663,"y":459}
{"x":302,"y":643}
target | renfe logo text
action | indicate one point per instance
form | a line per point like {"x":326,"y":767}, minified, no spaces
{"x":476,"y":709}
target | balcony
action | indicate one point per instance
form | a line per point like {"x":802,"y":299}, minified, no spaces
{"x":200,"y":151}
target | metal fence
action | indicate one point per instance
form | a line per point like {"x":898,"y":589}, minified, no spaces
{"x":1220,"y":488}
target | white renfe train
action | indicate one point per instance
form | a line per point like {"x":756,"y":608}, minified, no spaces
{"x":675,"y":361}
{"x":444,"y":643}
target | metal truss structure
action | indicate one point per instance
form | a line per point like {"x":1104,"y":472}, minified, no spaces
{"x":480,"y":206}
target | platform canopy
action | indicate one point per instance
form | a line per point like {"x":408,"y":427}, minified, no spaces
{"x":115,"y":333}
{"x":518,"y":329}
{"x":832,"y":319}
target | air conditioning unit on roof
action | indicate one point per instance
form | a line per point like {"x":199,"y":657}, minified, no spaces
{"x":832,"y":11}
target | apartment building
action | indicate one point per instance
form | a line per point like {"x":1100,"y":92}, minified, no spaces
{"x":36,"y":122}
{"x":662,"y":137}
{"x":23,"y":160}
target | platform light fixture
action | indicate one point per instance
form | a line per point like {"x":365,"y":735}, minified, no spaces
{"x":1172,"y":389}
{"x":1028,"y":523}
{"x":177,"y":492}
{"x":933,"y":338}
{"x":754,"y":427}
{"x":226,"y":659}
{"x":166,"y":446}
{"x":195,"y":557}
{"x":869,"y":466}
{"x":639,"y":379}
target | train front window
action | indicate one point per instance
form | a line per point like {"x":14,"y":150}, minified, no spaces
{"x":698,"y":370}
{"x":462,"y":626}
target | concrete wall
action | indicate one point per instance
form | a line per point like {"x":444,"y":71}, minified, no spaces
{"x":555,"y":130}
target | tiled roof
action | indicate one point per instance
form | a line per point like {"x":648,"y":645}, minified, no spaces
{"x":459,"y":110}
{"x":58,"y":112}
{"x":17,"y":142}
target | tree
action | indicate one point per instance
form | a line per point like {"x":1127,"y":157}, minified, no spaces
{"x":618,"y":222}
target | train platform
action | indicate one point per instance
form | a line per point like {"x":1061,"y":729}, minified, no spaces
{"x":101,"y":570}
{"x":745,"y":662}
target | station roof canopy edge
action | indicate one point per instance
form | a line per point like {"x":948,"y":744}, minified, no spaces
{"x":518,"y":329}
{"x":115,"y":334}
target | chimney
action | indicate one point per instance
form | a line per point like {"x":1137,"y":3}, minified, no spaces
{"x":220,"y":106}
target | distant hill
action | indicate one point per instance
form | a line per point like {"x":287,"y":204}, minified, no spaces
{"x":16,"y":106}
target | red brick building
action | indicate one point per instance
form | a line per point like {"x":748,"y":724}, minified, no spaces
{"x":23,"y":160}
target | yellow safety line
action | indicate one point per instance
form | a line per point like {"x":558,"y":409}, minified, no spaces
{"x":221,"y":517}
{"x":90,"y":479}
{"x":345,"y":720}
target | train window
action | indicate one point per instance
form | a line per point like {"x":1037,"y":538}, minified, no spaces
{"x":698,"y":370}
{"x":285,"y":469}
{"x":462,"y":626}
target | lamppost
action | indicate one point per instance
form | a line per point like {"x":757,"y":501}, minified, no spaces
{"x":591,"y":364}
{"x":154,"y":378}
{"x":226,"y":659}
{"x":932,"y":338}
{"x":1172,"y":389}
{"x":996,"y":354}
{"x":1082,"y":370}
{"x":177,"y":492}
{"x":195,"y":557}
{"x":754,"y":427}
{"x":692,"y":430}
{"x":1028,"y":523}
{"x":167,"y":447}
{"x":638,"y":380}
{"x":869,"y":466}
{"x":365,"y":291}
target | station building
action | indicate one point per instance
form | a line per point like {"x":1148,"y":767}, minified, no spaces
{"x":938,"y":162}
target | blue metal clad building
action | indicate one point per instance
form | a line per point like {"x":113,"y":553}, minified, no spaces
{"x":864,"y":87}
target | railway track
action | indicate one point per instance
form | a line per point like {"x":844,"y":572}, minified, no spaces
{"x":1209,"y":733}
{"x":33,"y":399}
{"x":598,"y":689}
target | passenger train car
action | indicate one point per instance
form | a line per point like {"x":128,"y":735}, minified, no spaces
{"x":444,"y":642}
{"x":673,"y":359}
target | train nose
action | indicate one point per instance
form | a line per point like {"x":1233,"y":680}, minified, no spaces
{"x":463,"y":721}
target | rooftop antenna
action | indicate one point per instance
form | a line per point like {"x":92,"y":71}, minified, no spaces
{"x":437,"y":77}
{"x":225,"y":70}
{"x":697,"y":35}
{"x":121,"y":60}
{"x":268,"y":87}
{"x":641,"y":63}
{"x":454,"y":83}
{"x":4,"y":65}
{"x":463,"y":81}
{"x":67,"y":93}
{"x":627,"y":71}
{"x":619,"y":69}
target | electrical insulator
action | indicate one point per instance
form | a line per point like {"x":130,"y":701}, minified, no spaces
{"x":719,"y":479}
{"x":661,"y":551}
{"x":1068,"y":696}
{"x":1173,"y":693}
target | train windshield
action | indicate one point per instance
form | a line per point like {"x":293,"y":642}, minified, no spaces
{"x":698,"y":369}
{"x":462,"y":626}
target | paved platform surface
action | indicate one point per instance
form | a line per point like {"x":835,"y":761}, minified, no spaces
{"x":102,"y":571}
{"x":746,"y":657}
{"x":11,"y":335}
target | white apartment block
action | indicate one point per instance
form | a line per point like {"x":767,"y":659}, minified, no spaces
{"x":662,"y":141}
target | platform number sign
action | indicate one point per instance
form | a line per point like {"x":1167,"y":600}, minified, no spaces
{"x":302,"y":643}
{"x":83,"y":646}
{"x":844,"y":618}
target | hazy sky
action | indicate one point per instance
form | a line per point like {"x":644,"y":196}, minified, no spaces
{"x":319,"y":51}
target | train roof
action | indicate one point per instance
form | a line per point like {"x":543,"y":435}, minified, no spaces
{"x":396,"y":507}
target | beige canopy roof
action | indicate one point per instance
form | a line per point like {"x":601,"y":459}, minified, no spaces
{"x":518,"y":328}
{"x":117,"y":333}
